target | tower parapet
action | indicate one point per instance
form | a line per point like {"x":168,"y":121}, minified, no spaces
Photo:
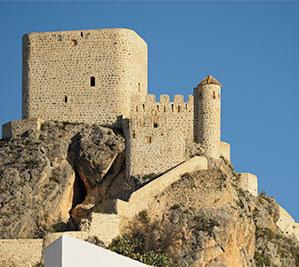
{"x":207,"y":113}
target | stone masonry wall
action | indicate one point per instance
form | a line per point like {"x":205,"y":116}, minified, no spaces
{"x":286,"y":223}
{"x":20,"y":252}
{"x":207,"y":112}
{"x":82,"y":76}
{"x":249,"y":182}
{"x":225,"y":150}
{"x":157,"y":134}
{"x":142,"y":198}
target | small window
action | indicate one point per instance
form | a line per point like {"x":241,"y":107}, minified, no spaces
{"x":134,"y":135}
{"x":138,"y":87}
{"x":179,"y":109}
{"x":65,"y":99}
{"x":148,"y":139}
{"x":74,"y":42}
{"x":156,"y":125}
{"x":81,"y":34}
{"x":214,"y":95}
{"x":92,"y":81}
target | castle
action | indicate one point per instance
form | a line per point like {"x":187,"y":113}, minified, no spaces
{"x":100,"y":76}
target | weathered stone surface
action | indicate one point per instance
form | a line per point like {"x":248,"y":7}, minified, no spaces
{"x":205,"y":219}
{"x":85,"y":76}
{"x":38,"y":185}
{"x":56,"y":178}
{"x":96,"y":153}
{"x":21,"y":252}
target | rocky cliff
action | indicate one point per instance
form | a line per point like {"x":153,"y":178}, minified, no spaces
{"x":205,"y":219}
{"x":51,"y":179}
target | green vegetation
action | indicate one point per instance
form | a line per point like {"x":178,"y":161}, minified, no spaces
{"x":133,"y":246}
{"x":143,"y":217}
{"x":261,"y":260}
{"x":284,"y":247}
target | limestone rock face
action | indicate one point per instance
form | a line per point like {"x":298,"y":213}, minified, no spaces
{"x":206,"y":220}
{"x":45,"y":174}
{"x":52,"y":180}
{"x":98,"y":157}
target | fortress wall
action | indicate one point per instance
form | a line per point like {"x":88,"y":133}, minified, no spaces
{"x":225,"y":150}
{"x":157,"y":134}
{"x":248,"y":181}
{"x":15,"y":128}
{"x":105,"y":227}
{"x":51,"y":237}
{"x":143,"y":197}
{"x":58,"y":68}
{"x":286,"y":223}
{"x":20,"y":252}
{"x":296,"y":230}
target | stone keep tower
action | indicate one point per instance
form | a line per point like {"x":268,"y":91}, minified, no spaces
{"x":207,"y":113}
{"x":83,"y":76}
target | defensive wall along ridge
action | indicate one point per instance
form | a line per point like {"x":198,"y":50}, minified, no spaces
{"x":287,"y":224}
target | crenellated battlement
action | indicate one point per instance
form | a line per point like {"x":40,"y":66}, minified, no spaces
{"x":158,"y":133}
{"x":163,"y":106}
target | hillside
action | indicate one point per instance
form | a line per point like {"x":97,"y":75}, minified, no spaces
{"x":52,"y":179}
{"x":205,"y":219}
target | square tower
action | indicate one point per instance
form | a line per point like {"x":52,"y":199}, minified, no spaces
{"x":83,"y":76}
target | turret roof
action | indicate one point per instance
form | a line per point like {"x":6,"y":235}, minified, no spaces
{"x":209,"y":80}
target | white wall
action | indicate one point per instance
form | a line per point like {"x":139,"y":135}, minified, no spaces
{"x":70,"y":252}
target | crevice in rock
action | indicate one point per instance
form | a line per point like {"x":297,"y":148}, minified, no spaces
{"x":79,"y":191}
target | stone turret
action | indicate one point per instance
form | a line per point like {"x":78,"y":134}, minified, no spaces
{"x":207,"y":113}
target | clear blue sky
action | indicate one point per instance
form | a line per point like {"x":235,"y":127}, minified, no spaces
{"x":252,"y":48}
